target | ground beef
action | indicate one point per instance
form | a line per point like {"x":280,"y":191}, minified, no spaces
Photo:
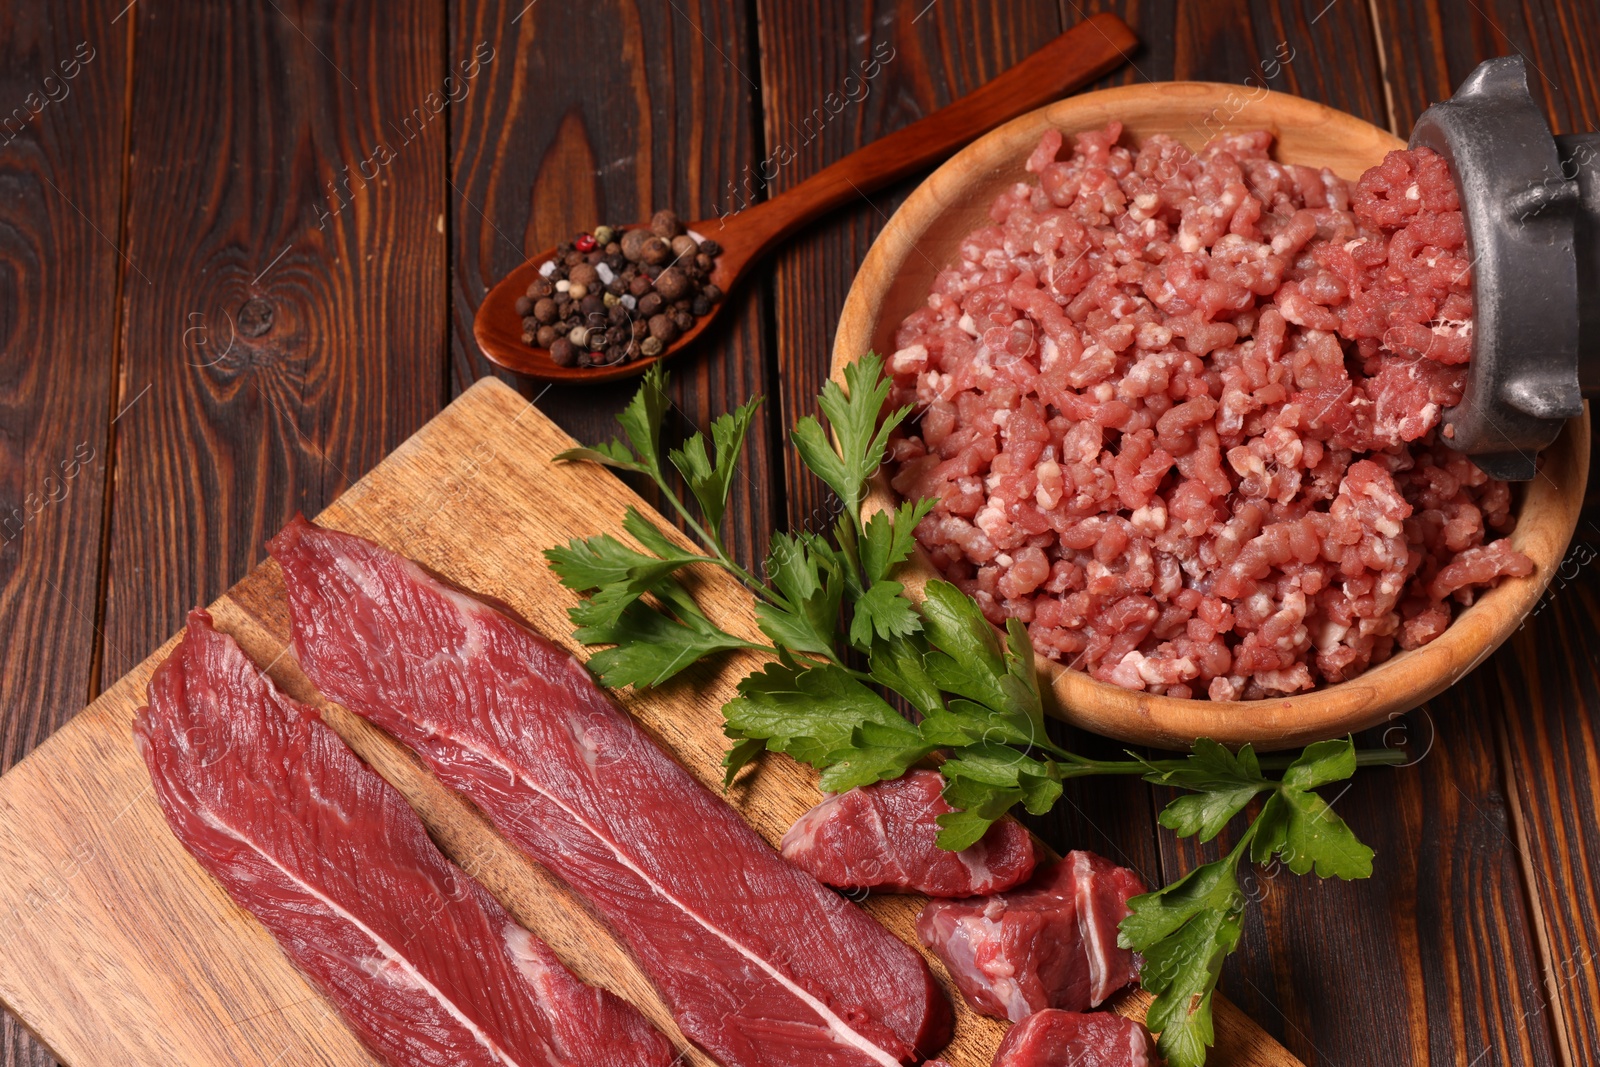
{"x":1180,"y":414}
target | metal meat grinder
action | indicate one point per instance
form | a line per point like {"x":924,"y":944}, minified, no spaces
{"x":1532,"y":207}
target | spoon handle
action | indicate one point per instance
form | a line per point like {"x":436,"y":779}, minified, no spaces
{"x":1088,"y":50}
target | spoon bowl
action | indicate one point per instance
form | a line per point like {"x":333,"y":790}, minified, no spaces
{"x":1091,"y":48}
{"x":498,"y":327}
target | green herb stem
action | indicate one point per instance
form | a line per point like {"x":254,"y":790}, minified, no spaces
{"x":980,"y":712}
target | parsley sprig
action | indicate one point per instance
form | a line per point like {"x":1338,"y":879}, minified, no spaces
{"x":827,"y":604}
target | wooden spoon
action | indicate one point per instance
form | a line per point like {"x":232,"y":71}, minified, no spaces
{"x":1088,"y":50}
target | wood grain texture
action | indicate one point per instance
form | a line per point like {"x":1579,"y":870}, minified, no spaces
{"x":924,"y":56}
{"x":298,"y":331}
{"x":1431,"y":45}
{"x":1275,"y":976}
{"x":1548,"y":690}
{"x":1540,"y":693}
{"x":111,"y":926}
{"x":242,"y":118}
{"x":606,"y":112}
{"x":63,"y":71}
{"x":750,"y":228}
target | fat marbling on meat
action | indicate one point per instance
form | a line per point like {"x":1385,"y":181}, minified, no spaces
{"x":424,"y":965}
{"x":884,"y":836}
{"x":1050,"y":944}
{"x":761,"y":964}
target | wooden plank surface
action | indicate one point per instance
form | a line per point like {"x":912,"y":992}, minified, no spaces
{"x":1535,"y":701}
{"x":241,"y":115}
{"x":295,"y":340}
{"x":119,"y":948}
{"x":1442,"y":968}
{"x":606,"y":112}
{"x":63,"y":72}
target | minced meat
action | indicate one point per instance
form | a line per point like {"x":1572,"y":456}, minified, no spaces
{"x":1180,"y":412}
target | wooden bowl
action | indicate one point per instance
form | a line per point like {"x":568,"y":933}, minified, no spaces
{"x":922,"y":239}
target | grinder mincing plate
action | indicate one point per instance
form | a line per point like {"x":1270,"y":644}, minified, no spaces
{"x":1532,"y":207}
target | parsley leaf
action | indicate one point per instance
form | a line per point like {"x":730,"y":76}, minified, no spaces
{"x":611,"y":453}
{"x":979,"y":805}
{"x":652,"y":646}
{"x":856,"y":414}
{"x":897,"y":663}
{"x":618,"y":574}
{"x":708,"y":481}
{"x":888,"y":537}
{"x":1301,"y":828}
{"x":641,"y":419}
{"x":985,"y":780}
{"x":970,"y":659}
{"x":882,"y":610}
{"x":805,"y":570}
{"x":1184,"y":932}
{"x":1223,"y":783}
{"x":822,"y":715}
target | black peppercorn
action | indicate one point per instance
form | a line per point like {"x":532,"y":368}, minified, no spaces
{"x":632,"y":243}
{"x":563,"y":353}
{"x":672,"y":284}
{"x":663,"y":329}
{"x":655,"y":251}
{"x":665,"y":224}
{"x":659,"y":268}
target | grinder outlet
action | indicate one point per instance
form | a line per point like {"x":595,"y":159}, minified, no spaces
{"x":1531,"y":202}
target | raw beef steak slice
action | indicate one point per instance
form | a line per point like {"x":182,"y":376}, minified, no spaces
{"x":761,"y":964}
{"x":421,"y":962}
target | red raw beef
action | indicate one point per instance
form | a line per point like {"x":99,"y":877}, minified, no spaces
{"x":421,"y":962}
{"x":1050,"y":944}
{"x":884,"y":836}
{"x":1053,"y":1038}
{"x":761,"y":964}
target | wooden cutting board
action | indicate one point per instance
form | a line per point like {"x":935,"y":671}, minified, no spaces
{"x":116,"y":948}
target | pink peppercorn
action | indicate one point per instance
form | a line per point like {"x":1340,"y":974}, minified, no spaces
{"x":584,"y":243}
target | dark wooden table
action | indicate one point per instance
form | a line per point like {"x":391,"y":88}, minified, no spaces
{"x":241,"y":243}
